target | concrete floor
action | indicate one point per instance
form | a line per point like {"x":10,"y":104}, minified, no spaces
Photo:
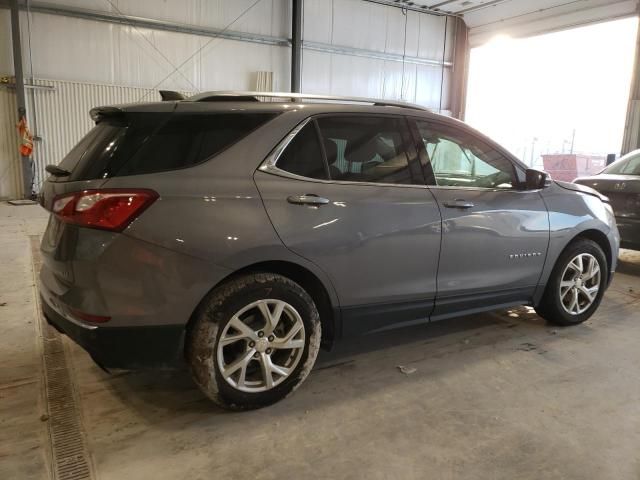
{"x":494,"y":396}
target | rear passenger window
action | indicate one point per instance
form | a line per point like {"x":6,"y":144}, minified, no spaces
{"x":186,"y":140}
{"x":303,"y":155}
{"x":366,"y":149}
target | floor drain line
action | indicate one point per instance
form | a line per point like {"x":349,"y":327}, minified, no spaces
{"x":70,"y":457}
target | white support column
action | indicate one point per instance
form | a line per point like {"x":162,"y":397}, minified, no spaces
{"x":631,"y":139}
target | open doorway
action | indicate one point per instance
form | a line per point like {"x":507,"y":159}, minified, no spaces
{"x":558,"y":94}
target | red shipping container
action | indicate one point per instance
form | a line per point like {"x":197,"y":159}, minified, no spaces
{"x":569,"y":166}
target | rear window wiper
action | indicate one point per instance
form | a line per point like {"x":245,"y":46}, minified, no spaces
{"x":57,"y":171}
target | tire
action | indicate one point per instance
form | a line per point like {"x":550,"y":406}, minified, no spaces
{"x":232,"y":351}
{"x":557,"y":305}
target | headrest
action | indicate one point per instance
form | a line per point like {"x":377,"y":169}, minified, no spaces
{"x":360,"y":152}
{"x":332,"y":151}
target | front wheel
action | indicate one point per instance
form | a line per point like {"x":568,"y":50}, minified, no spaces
{"x":576,"y":286}
{"x":253,"y":341}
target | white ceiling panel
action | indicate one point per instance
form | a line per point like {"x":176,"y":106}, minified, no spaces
{"x":519,"y":18}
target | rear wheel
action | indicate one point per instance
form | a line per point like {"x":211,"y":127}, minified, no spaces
{"x":577,"y":284}
{"x":253,"y":341}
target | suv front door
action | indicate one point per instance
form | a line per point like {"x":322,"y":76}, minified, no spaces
{"x":348,"y":194}
{"x":495,"y":233}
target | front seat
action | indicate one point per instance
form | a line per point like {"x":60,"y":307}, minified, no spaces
{"x":331,"y":150}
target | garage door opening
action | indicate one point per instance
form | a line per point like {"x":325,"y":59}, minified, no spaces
{"x":553,"y":95}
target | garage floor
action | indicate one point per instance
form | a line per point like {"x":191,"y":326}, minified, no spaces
{"x":494,"y":396}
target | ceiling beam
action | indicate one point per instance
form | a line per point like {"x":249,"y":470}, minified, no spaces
{"x":481,"y":6}
{"x":442,"y":4}
{"x":408,"y":5}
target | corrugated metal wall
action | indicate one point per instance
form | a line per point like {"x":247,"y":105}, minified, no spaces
{"x":10,"y":168}
{"x":410,"y":48}
{"x":77,"y":49}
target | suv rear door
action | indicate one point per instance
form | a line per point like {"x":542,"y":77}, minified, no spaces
{"x":495,"y":233}
{"x":348,"y":194}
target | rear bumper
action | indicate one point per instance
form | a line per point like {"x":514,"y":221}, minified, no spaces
{"x":148,"y":292}
{"x":122,"y":347}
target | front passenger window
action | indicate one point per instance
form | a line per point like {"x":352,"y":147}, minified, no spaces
{"x":460,"y":160}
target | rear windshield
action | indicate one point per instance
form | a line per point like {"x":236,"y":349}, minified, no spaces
{"x":147,"y":143}
{"x":627,"y":165}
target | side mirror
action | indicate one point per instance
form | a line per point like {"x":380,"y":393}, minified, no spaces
{"x":536,"y":179}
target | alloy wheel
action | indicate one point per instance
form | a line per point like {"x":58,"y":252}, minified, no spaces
{"x":261,"y":345}
{"x":580,"y":284}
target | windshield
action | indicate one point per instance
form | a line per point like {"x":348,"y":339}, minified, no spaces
{"x":627,"y":165}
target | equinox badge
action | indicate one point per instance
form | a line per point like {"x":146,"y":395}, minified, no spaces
{"x":524,"y":255}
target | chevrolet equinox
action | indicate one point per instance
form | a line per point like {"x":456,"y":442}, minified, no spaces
{"x":242,"y":231}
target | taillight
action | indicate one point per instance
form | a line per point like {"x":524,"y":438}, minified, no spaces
{"x":105,"y":209}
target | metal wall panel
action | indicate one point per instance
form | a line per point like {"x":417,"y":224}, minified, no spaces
{"x":268,"y":17}
{"x":10,"y":167}
{"x":373,"y":28}
{"x":6,"y":58}
{"x":356,"y":76}
{"x":124,"y":55}
{"x":380,"y":28}
{"x":428,"y":89}
{"x":431,"y":37}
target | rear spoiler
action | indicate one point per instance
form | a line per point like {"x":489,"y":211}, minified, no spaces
{"x":98,"y":113}
{"x":170,"y":95}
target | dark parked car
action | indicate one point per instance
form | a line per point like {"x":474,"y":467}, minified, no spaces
{"x":242,"y":234}
{"x":620,"y":181}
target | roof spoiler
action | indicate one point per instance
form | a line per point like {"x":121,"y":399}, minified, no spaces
{"x":170,"y":95}
{"x":98,"y":113}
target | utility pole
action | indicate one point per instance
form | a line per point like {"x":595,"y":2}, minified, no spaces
{"x":573,"y":140}
{"x":21,"y":97}
{"x":533,"y":149}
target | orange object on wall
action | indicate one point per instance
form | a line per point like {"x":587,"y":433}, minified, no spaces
{"x":26,"y":139}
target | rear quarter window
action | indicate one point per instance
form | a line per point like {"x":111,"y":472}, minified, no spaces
{"x":187,"y":140}
{"x":94,"y":151}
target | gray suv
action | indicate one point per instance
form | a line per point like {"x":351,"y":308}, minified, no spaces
{"x":243,"y":231}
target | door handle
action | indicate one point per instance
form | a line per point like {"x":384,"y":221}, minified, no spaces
{"x":458,"y":203}
{"x":307,"y":199}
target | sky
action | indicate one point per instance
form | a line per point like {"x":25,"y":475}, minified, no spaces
{"x":534,"y":92}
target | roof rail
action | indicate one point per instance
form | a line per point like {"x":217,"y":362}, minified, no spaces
{"x":294,"y":97}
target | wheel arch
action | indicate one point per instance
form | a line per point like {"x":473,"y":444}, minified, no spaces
{"x":599,"y":238}
{"x":319,"y":292}
{"x":593,"y":234}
